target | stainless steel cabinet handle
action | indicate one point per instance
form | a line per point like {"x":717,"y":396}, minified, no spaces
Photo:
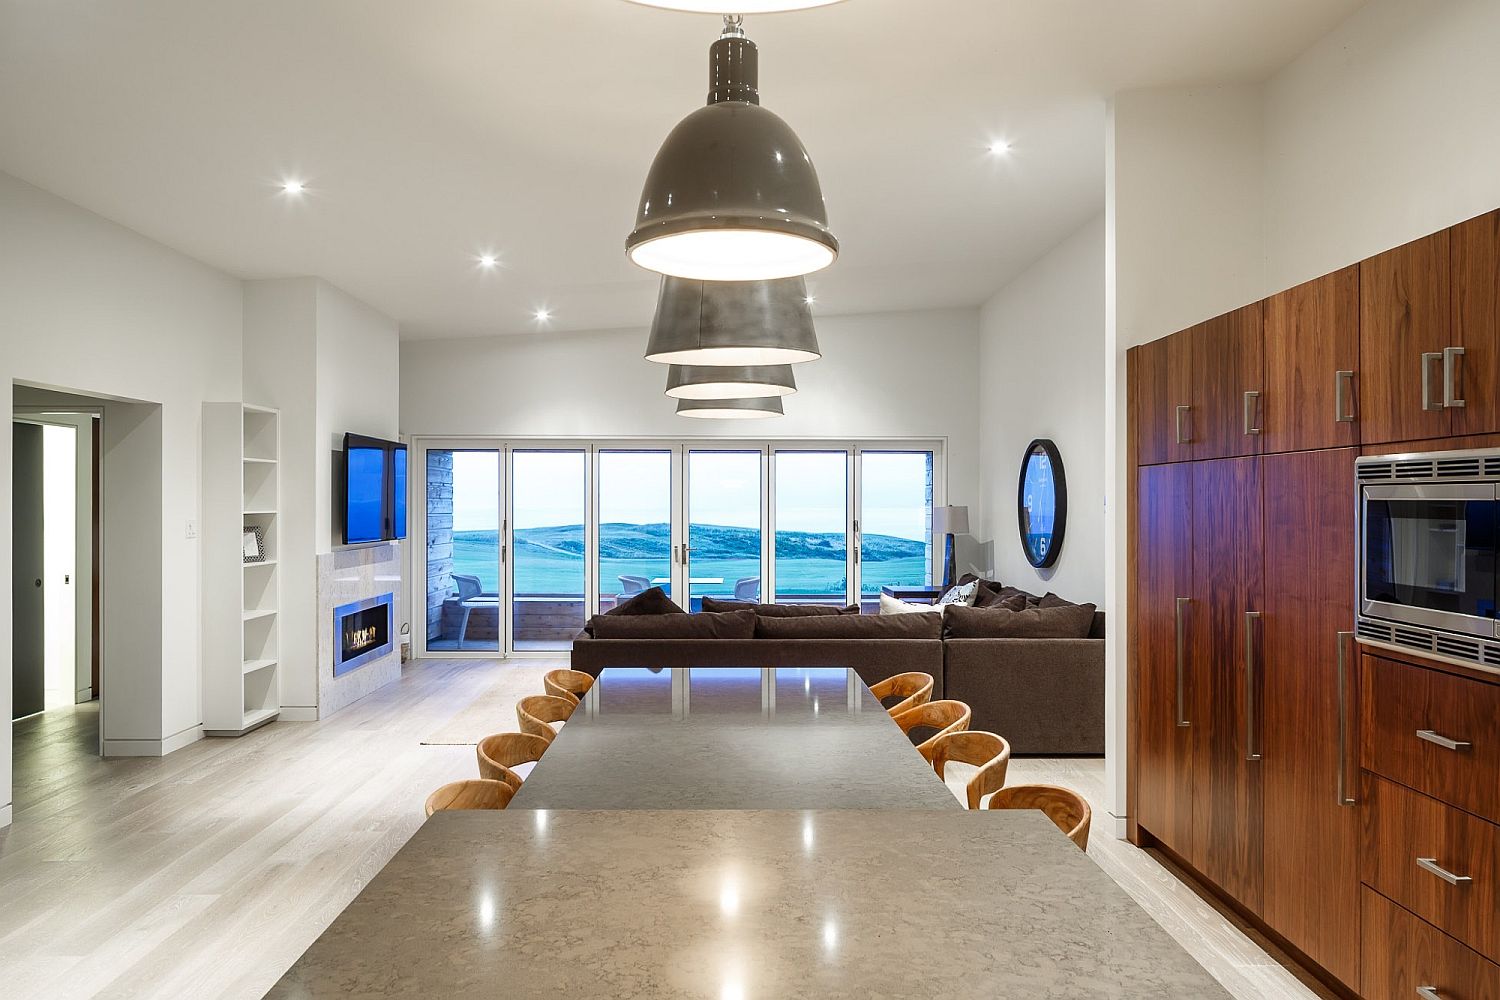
{"x":1249,"y":417}
{"x":1431,"y":865}
{"x":1182,"y":602}
{"x":1429,"y":993}
{"x":1342,"y":383}
{"x":1251,"y":617}
{"x":1345,"y":799}
{"x":1450,"y":362}
{"x":1427,"y":403}
{"x":1442,"y":741}
{"x":1181,"y":409}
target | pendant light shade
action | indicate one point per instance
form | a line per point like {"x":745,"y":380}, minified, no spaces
{"x":732,"y":323}
{"x":730,"y":409}
{"x":729,"y":381}
{"x":736,"y":6}
{"x":732,"y":194}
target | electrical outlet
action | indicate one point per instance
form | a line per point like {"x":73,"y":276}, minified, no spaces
{"x":192,"y":528}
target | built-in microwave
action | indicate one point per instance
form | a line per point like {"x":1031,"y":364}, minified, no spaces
{"x":1429,"y":548}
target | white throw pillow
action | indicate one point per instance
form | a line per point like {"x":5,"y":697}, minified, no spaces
{"x":961,"y":595}
{"x":893,"y":606}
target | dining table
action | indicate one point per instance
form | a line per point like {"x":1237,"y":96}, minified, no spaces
{"x":735,"y":834}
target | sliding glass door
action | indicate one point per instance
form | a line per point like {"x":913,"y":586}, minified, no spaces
{"x":811,"y":515}
{"x":636,"y":540}
{"x":725,"y":518}
{"x":549,"y":540}
{"x":462,"y":524}
{"x":894,"y":526}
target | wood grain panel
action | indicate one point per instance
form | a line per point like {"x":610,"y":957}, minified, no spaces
{"x":1163,"y":382}
{"x":1311,"y":838}
{"x":1475,"y":248}
{"x":1164,"y":760}
{"x":1402,"y":952}
{"x":1226,"y":363}
{"x":1312,"y":334}
{"x":1404,"y":312}
{"x":1400,"y":826}
{"x":1227,"y":567}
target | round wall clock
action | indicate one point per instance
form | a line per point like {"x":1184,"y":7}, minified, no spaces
{"x":1042,"y":503}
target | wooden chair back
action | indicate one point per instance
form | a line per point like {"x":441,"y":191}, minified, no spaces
{"x":913,"y":687}
{"x":988,"y":752}
{"x":499,"y":753}
{"x":567,"y":683}
{"x":471,"y":793}
{"x":945,"y":716}
{"x":1063,"y":806}
{"x":535,"y":711}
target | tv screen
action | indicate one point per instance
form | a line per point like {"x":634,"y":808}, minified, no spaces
{"x":374,"y":483}
{"x":398,"y":491}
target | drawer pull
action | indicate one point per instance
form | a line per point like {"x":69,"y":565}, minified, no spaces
{"x":1181,"y":409}
{"x":1431,"y":865}
{"x":1429,"y":993}
{"x":1442,"y":741}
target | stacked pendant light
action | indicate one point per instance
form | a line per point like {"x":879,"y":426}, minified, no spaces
{"x":732,"y":216}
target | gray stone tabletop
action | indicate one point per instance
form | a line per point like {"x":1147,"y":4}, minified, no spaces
{"x":732,"y":738}
{"x":744,"y":905}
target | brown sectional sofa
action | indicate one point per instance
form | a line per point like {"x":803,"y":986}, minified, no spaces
{"x":1046,"y":696}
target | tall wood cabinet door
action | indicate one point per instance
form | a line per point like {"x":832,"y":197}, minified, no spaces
{"x":1226,"y":642}
{"x":1163,"y":587}
{"x":1404,"y":324}
{"x":1474,"y":376}
{"x":1309,"y":760}
{"x":1163,"y":400}
{"x":1312,"y":364}
{"x":1228,"y":404}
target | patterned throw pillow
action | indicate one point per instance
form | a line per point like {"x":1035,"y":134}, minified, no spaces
{"x":964,"y":594}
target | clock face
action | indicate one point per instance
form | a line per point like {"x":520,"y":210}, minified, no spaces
{"x":1042,"y":503}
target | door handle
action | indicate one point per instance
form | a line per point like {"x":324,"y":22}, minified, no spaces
{"x":1251,"y":617}
{"x":1427,"y":360}
{"x":1431,"y":865}
{"x":1450,"y":364}
{"x":1182,"y":602}
{"x":1429,"y":993}
{"x":1181,"y":409}
{"x":1442,"y":741}
{"x":1343,"y":381}
{"x":1251,"y":397}
{"x":1344,"y":798}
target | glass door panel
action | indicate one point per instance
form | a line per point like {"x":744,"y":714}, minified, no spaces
{"x":895,"y":522}
{"x":812,"y":517}
{"x":635,"y":524}
{"x":724,"y":525}
{"x":462,"y":525}
{"x":549,"y":585}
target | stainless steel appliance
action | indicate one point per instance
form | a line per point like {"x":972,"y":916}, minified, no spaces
{"x":1429,"y":544}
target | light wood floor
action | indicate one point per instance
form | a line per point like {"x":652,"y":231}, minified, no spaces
{"x":207,"y":873}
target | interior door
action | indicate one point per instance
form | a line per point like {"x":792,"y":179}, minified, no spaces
{"x":1404,"y":324}
{"x":1164,"y":690}
{"x":1312,"y":364}
{"x":1476,"y":324}
{"x":1226,"y":643}
{"x":1228,"y":404}
{"x":28,"y":569}
{"x":1312,"y":833}
{"x":460,"y":519}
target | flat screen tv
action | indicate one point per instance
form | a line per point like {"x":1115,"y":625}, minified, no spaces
{"x":374,"y":489}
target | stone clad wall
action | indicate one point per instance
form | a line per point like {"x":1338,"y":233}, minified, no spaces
{"x":439,"y":537}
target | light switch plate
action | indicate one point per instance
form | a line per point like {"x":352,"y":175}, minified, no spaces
{"x":192,"y":528}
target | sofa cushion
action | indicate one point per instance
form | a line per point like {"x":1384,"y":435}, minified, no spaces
{"x":852,"y":627}
{"x":725,"y":625}
{"x":779,"y":610}
{"x":1070,"y":622}
{"x":895,"y":606}
{"x":648,"y":602}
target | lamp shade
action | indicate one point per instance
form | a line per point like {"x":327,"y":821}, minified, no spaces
{"x":729,"y":381}
{"x":950,"y":520}
{"x":730,"y":409}
{"x":732,"y":194}
{"x":736,"y":6}
{"x":732,"y":323}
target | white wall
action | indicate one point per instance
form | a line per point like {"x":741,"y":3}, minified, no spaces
{"x":1041,"y":375}
{"x":90,"y":306}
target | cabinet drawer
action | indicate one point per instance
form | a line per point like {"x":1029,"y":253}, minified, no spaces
{"x":1433,"y":732}
{"x":1437,"y":861}
{"x":1402,"y":954}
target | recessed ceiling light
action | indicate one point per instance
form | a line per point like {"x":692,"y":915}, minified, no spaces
{"x":809,"y":299}
{"x":293,"y":187}
{"x":488,"y":260}
{"x":999,"y":147}
{"x":737,"y":7}
{"x":542,"y":315}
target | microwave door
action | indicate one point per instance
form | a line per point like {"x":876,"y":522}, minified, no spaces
{"x":1430,"y":555}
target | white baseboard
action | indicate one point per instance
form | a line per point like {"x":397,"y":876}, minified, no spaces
{"x":153,"y":748}
{"x":1121,"y":825}
{"x":5,"y":815}
{"x":298,"y":713}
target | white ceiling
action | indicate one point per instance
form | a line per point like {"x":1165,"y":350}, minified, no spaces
{"x":429,"y":131}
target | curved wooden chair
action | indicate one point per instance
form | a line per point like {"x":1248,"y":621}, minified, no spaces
{"x":1063,"y":806}
{"x":988,"y":752}
{"x":566,"y":683}
{"x":499,"y":753}
{"x":913,"y":687}
{"x":536,"y":711}
{"x":471,"y":793}
{"x":944,"y":716}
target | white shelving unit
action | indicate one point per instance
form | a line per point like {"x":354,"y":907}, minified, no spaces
{"x":241,"y":600}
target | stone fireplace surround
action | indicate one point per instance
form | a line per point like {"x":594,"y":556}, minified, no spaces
{"x":345,"y":576}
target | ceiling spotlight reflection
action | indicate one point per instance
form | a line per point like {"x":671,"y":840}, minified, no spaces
{"x":807,"y":834}
{"x":733,"y":989}
{"x":541,"y":821}
{"x":486,"y":912}
{"x":729,"y":898}
{"x":830,"y":935}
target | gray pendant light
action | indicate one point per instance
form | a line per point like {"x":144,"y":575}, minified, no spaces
{"x":729,"y":381}
{"x":730,"y":409}
{"x":732,"y":194}
{"x":736,"y":6}
{"x":732,"y":323}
